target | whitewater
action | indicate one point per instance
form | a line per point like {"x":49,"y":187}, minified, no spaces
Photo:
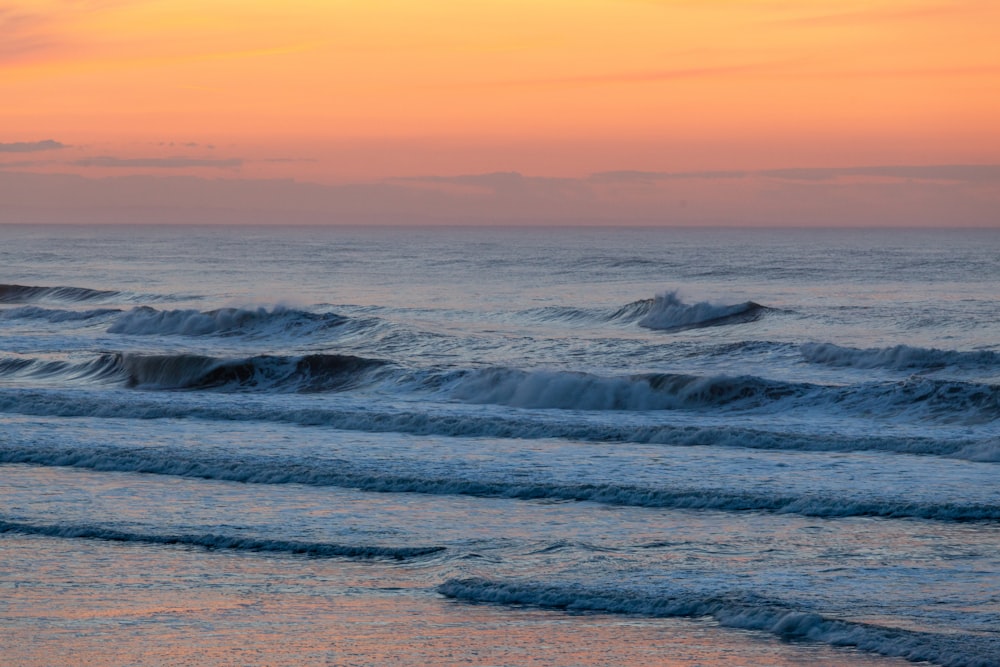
{"x":458,"y":446}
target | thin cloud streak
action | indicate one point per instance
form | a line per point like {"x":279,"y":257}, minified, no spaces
{"x":32,"y":146}
{"x":156,"y":163}
{"x":651,"y":76}
{"x":889,"y":14}
{"x":934,"y":172}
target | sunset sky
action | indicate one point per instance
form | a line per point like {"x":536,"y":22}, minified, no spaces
{"x":560,"y":96}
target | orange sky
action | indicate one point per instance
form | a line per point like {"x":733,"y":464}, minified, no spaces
{"x":545,"y":87}
{"x":341,"y":91}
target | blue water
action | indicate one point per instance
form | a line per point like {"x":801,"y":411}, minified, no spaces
{"x":778,"y":446}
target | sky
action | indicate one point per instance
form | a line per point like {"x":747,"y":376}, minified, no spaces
{"x":760,"y":112}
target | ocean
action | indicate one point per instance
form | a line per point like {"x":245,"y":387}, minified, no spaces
{"x":498,"y":446}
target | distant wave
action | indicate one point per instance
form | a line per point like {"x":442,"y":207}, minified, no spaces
{"x":665,"y":312}
{"x":276,"y":470}
{"x":146,"y":321}
{"x":211,"y":541}
{"x":308,"y":373}
{"x":668,"y":313}
{"x":736,"y":611}
{"x":523,"y":425}
{"x":31,"y":293}
{"x":899,"y":357}
{"x":54,"y":315}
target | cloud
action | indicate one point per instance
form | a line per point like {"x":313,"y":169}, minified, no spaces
{"x":21,"y":34}
{"x":22,"y":164}
{"x":930,"y":172}
{"x":157,"y":163}
{"x":625,"y":176}
{"x":969,"y":173}
{"x":631,"y":77}
{"x":31,"y":146}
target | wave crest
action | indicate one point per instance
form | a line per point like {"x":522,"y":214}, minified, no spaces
{"x":668,"y":313}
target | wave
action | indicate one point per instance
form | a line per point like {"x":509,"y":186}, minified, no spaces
{"x":668,"y":313}
{"x":522,"y":426}
{"x":633,"y":311}
{"x":946,"y":400}
{"x":665,"y":312}
{"x":899,"y":357}
{"x":737,"y":611}
{"x":211,"y":541}
{"x":55,"y":315}
{"x":308,"y":373}
{"x":146,"y":321}
{"x":275,"y":470}
{"x":32,"y":293}
{"x":630,"y":312}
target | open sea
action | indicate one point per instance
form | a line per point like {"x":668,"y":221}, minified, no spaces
{"x":403,"y":446}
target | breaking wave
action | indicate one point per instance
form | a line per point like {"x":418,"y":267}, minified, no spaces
{"x":899,"y":357}
{"x":668,"y":313}
{"x":737,"y":611}
{"x":947,"y":400}
{"x":279,"y":470}
{"x":146,"y":321}
{"x":211,"y":541}
{"x":31,"y":294}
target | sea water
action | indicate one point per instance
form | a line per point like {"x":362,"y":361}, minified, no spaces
{"x":348,"y":446}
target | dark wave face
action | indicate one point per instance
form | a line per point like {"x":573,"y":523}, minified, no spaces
{"x":668,"y":313}
{"x":31,"y":294}
{"x":55,"y":315}
{"x":309,"y":373}
{"x":146,"y":321}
